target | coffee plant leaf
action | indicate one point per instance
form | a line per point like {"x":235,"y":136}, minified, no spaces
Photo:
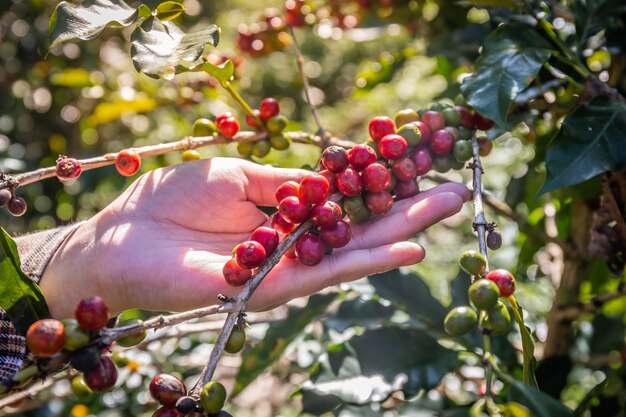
{"x":590,"y":142}
{"x":593,"y":16}
{"x":169,"y":10}
{"x":511,"y":57}
{"x":20,"y":297}
{"x":254,"y":361}
{"x":88,"y":19}
{"x":162,"y":50}
{"x":367,"y":313}
{"x":222,"y":72}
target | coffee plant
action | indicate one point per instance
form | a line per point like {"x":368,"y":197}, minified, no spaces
{"x":519,"y":308}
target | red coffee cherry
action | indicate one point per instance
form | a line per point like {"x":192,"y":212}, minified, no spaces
{"x":441,"y":142}
{"x":326,"y":214}
{"x":102,"y":377}
{"x":434,"y":120}
{"x":127,"y":162}
{"x":267,"y":237}
{"x":484,"y":146}
{"x":294,"y":210}
{"x":504,"y":280}
{"x":482,"y":123}
{"x":406,"y":189}
{"x":310,"y":249}
{"x":45,"y":337}
{"x":361,"y":156}
{"x":17,"y":206}
{"x":392,"y":147}
{"x":250,"y":254}
{"x":422,"y":160}
{"x":293,"y":13}
{"x":404,"y":169}
{"x":336,"y":236}
{"x":381,"y":126}
{"x":287,"y":189}
{"x":425,"y":130}
{"x":332,"y":182}
{"x":92,"y":313}
{"x":376,"y":177}
{"x":166,"y":412}
{"x":167,"y":389}
{"x":281,"y":225}
{"x":223,"y":117}
{"x":466,"y":116}
{"x":349,"y":182}
{"x":335,"y":159}
{"x":379,"y":203}
{"x":234,"y":274}
{"x":252,"y":121}
{"x":269,"y":108}
{"x":228,"y":126}
{"x":313,"y":189}
{"x":68,"y":169}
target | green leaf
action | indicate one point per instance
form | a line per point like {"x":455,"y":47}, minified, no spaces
{"x":591,"y":141}
{"x":512,"y":56}
{"x":20,"y":297}
{"x":169,"y":10}
{"x":87,"y":20}
{"x":368,"y":313}
{"x":592,"y":16}
{"x":107,"y":112}
{"x":528,"y":345}
{"x":222,"y":72}
{"x":161,"y":49}
{"x":277,"y":338}
{"x":144,"y":11}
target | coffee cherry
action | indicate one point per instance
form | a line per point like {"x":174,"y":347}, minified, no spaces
{"x":92,"y":313}
{"x":392,"y":184}
{"x":245,"y":148}
{"x":253,"y":122}
{"x":267,"y":237}
{"x":466,"y":117}
{"x":191,"y":155}
{"x":236,"y":340}
{"x":451,"y":116}
{"x":425,"y":130}
{"x":127,"y":162}
{"x":68,"y":169}
{"x":75,"y":337}
{"x":472,"y":262}
{"x":497,"y":321}
{"x":460,"y":320}
{"x":504,"y":280}
{"x":441,"y":142}
{"x":336,"y":236}
{"x":483,"y":294}
{"x":406,"y":189}
{"x":79,"y":388}
{"x":223,"y":117}
{"x":85,"y":359}
{"x":462,"y":150}
{"x":422,"y":160}
{"x":132,"y":339}
{"x":279,"y":142}
{"x":228,"y":126}
{"x":381,"y":126}
{"x":213,"y":397}
{"x":453,"y":131}
{"x":494,"y":240}
{"x":166,"y":412}
{"x":361,"y":156}
{"x":269,"y":108}
{"x":310,"y":249}
{"x":406,"y":116}
{"x":326,"y":214}
{"x":332,"y":182}
{"x":287,"y":189}
{"x":464,"y":133}
{"x":261,"y":148}
{"x":45,"y":337}
{"x":411,"y":133}
{"x":102,"y":377}
{"x":376,"y":177}
{"x":186,"y":405}
{"x":484,"y":146}
{"x":250,"y":254}
{"x":167,"y":389}
{"x":378,"y":203}
{"x":404,"y":169}
{"x":294,"y":210}
{"x":335,"y":159}
{"x":5,"y":196}
{"x":120,"y":359}
{"x":434,"y":120}
{"x":234,"y":274}
{"x":392,"y":147}
{"x":313,"y":189}
{"x":275,"y":125}
{"x":291,"y":252}
{"x":482,"y":123}
{"x":17,"y":206}
{"x":349,"y":182}
{"x":353,"y":204}
{"x":204,"y":127}
{"x":359,"y":216}
{"x":281,"y":225}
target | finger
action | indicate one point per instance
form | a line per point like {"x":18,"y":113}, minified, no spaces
{"x":263,"y":180}
{"x":405,"y":222}
{"x":298,"y":280}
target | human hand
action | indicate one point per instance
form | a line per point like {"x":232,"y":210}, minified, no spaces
{"x":161,"y":245}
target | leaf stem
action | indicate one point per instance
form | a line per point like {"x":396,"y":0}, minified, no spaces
{"x":234,"y":94}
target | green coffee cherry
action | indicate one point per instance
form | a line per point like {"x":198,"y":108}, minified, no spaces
{"x":120,"y":359}
{"x":245,"y":148}
{"x":411,"y":133}
{"x":75,"y":337}
{"x":213,"y":397}
{"x":484,"y":294}
{"x":276,"y":124}
{"x":237,"y":340}
{"x":191,"y":155}
{"x":406,"y":116}
{"x":204,"y":127}
{"x":462,"y":150}
{"x":497,"y":320}
{"x":472,"y":262}
{"x":279,"y":142}
{"x":133,"y":339}
{"x":460,"y":320}
{"x":261,"y":148}
{"x":79,"y":387}
{"x":452,"y":116}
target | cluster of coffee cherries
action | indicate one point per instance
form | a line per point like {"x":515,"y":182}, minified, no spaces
{"x":486,"y":310}
{"x":226,"y":124}
{"x":17,"y":205}
{"x":266,"y":118}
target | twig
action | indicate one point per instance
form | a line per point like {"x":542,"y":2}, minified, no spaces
{"x":305,"y":80}
{"x":35,"y":388}
{"x":572,"y":312}
{"x":480,"y":223}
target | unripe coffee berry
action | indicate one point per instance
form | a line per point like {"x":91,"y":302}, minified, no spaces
{"x":250,"y":254}
{"x":236,"y":340}
{"x":497,"y":321}
{"x":361,"y":156}
{"x":287,"y":189}
{"x":213,"y":397}
{"x":451,"y":116}
{"x":269,"y":108}
{"x":267,"y":237}
{"x":376,"y":177}
{"x":75,"y":337}
{"x":127,"y":162}
{"x":68,"y":169}
{"x":281,"y":225}
{"x":392,"y":147}
{"x":102,"y":377}
{"x":462,"y":150}
{"x":310,"y":249}
{"x":483,"y":294}
{"x":203,"y":127}
{"x":425,"y":130}
{"x":313,"y":189}
{"x":504,"y":280}
{"x":473,"y":262}
{"x":460,"y":320}
{"x":45,"y":337}
{"x":411,"y":133}
{"x":294,"y":210}
{"x":167,"y":389}
{"x":17,"y":206}
{"x":131,"y":339}
{"x":92,"y":313}
{"x":349,"y":182}
{"x":326,"y":214}
{"x":381,"y":126}
{"x":406,"y":116}
{"x":191,"y":155}
{"x":234,"y":274}
{"x":79,"y":388}
{"x":336,"y":236}
{"x":379,"y":203}
{"x":335,"y":159}
{"x":228,"y":126}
